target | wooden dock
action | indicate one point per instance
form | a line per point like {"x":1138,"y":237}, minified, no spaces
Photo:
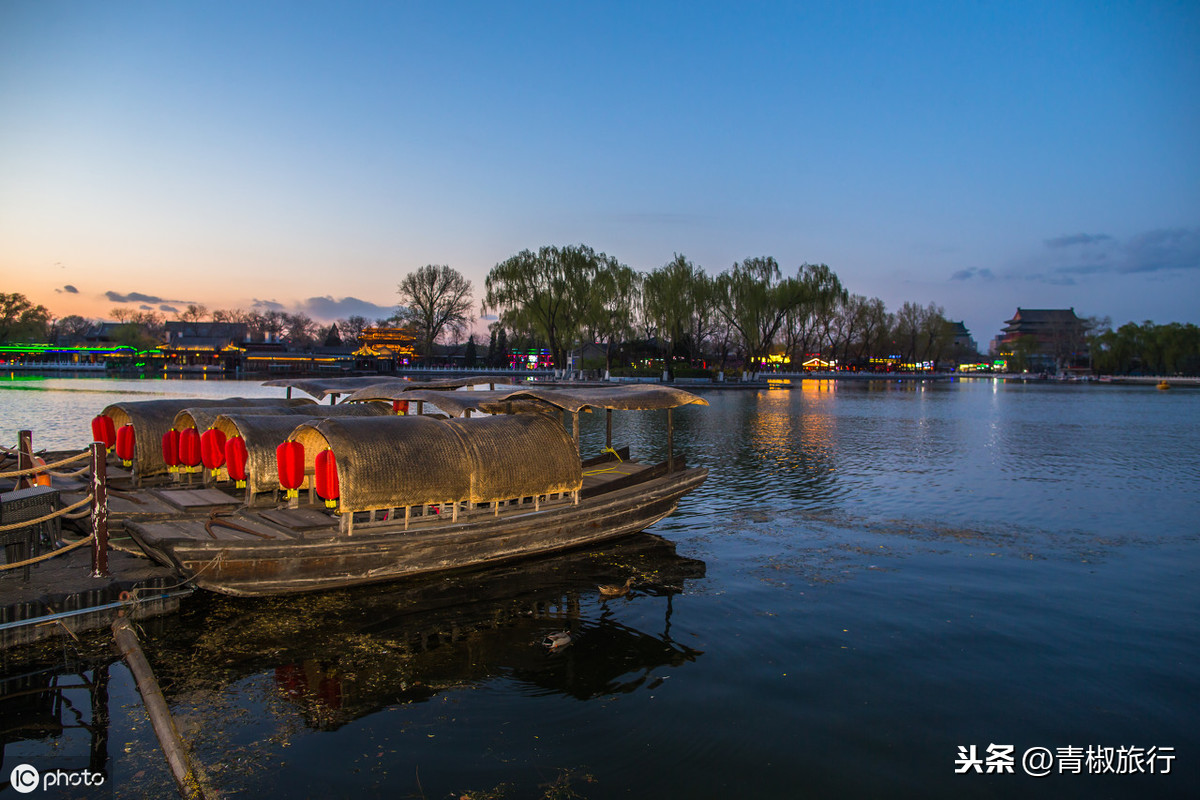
{"x":54,"y":584}
{"x":61,"y":598}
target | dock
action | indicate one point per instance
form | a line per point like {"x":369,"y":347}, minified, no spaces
{"x":62,"y":579}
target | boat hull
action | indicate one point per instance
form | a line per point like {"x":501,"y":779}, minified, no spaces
{"x":326,"y":559}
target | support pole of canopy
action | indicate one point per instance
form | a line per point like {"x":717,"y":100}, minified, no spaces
{"x":608,"y":428}
{"x":670,"y":440}
{"x":575,"y":428}
{"x":333,"y":398}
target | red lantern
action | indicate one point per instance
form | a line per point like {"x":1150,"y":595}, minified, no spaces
{"x":170,"y":450}
{"x":235,"y":459}
{"x":125,"y":445}
{"x":325,"y":477}
{"x":212,"y":448}
{"x":104,"y":430}
{"x":289,"y":457}
{"x":400,"y":407}
{"x":189,"y":449}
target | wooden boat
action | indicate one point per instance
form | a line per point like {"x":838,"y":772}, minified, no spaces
{"x":412,"y":495}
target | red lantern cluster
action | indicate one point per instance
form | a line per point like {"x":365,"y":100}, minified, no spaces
{"x":125,"y":445}
{"x":170,"y":450}
{"x":104,"y":430}
{"x":235,"y":460}
{"x":400,"y":407}
{"x":326,"y":478}
{"x":289,"y":457}
{"x":189,"y":450}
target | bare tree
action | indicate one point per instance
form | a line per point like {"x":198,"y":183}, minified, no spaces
{"x":435,"y":299}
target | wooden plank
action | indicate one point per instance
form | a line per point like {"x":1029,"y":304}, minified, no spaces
{"x":299,"y":519}
{"x":197,"y":499}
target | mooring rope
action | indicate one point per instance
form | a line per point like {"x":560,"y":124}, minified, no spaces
{"x":40,"y":468}
{"x":60,"y":512}
{"x":51,"y":554}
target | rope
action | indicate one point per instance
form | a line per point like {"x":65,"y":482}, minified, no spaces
{"x":82,"y":514}
{"x":40,"y":468}
{"x":74,"y":474}
{"x":606,"y":470}
{"x":31,"y":522}
{"x":610,"y":450}
{"x":51,"y":554}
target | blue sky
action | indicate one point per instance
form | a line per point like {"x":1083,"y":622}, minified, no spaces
{"x":308,"y":155}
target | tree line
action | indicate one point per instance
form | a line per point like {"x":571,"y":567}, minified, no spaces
{"x":561,"y":298}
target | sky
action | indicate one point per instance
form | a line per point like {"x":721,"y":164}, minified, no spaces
{"x":307,"y":155}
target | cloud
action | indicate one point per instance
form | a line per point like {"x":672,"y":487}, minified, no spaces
{"x":69,"y":289}
{"x":145,"y":307}
{"x":983,"y":273}
{"x":1161,"y":250}
{"x":1078,"y":239}
{"x":328,"y":309}
{"x":267,"y":305}
{"x":134,"y":297}
{"x":168,"y":309}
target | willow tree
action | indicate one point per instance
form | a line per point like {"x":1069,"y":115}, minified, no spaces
{"x":436,"y":301}
{"x":556,"y":292}
{"x":609,"y":316}
{"x":677,"y":298}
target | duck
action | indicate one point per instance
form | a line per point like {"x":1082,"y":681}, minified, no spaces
{"x":558,"y":640}
{"x":608,"y":590}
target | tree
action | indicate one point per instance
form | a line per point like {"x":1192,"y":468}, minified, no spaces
{"x":612,"y":299}
{"x":553,"y":293}
{"x":72,"y":329}
{"x":471,"y":355}
{"x":677,"y":298}
{"x":21,"y":320}
{"x":352,"y":328}
{"x":436,"y":300}
{"x":756,"y":300}
{"x":301,"y":329}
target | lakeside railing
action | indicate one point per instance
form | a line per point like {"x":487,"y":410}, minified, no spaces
{"x":34,"y":503}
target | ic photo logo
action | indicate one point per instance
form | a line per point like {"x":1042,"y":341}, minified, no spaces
{"x":24,"y":778}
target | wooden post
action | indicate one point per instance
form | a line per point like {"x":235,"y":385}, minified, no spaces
{"x":575,"y":428}
{"x":99,"y":511}
{"x":608,"y":428}
{"x":670,"y":440}
{"x":160,"y":716}
{"x":25,"y":459}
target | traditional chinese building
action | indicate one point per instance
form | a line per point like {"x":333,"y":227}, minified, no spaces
{"x":385,"y":349}
{"x":1048,"y":339}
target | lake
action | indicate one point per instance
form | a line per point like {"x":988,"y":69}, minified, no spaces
{"x":880,"y":584}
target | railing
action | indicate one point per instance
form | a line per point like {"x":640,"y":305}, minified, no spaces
{"x":27,"y":477}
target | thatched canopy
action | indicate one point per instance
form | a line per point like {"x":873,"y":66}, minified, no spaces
{"x":390,"y":462}
{"x":321,"y":388}
{"x":204,"y":418}
{"x":640,"y":397}
{"x":151,"y":419}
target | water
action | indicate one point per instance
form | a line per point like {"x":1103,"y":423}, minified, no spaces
{"x":873,"y":576}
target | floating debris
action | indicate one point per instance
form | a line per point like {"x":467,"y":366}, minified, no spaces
{"x":558,"y":640}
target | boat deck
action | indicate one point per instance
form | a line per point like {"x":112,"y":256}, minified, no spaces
{"x":209,"y":521}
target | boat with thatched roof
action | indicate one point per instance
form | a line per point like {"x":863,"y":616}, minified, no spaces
{"x":400,"y":495}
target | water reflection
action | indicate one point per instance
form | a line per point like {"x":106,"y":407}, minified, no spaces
{"x":340,"y":656}
{"x":55,"y":702}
